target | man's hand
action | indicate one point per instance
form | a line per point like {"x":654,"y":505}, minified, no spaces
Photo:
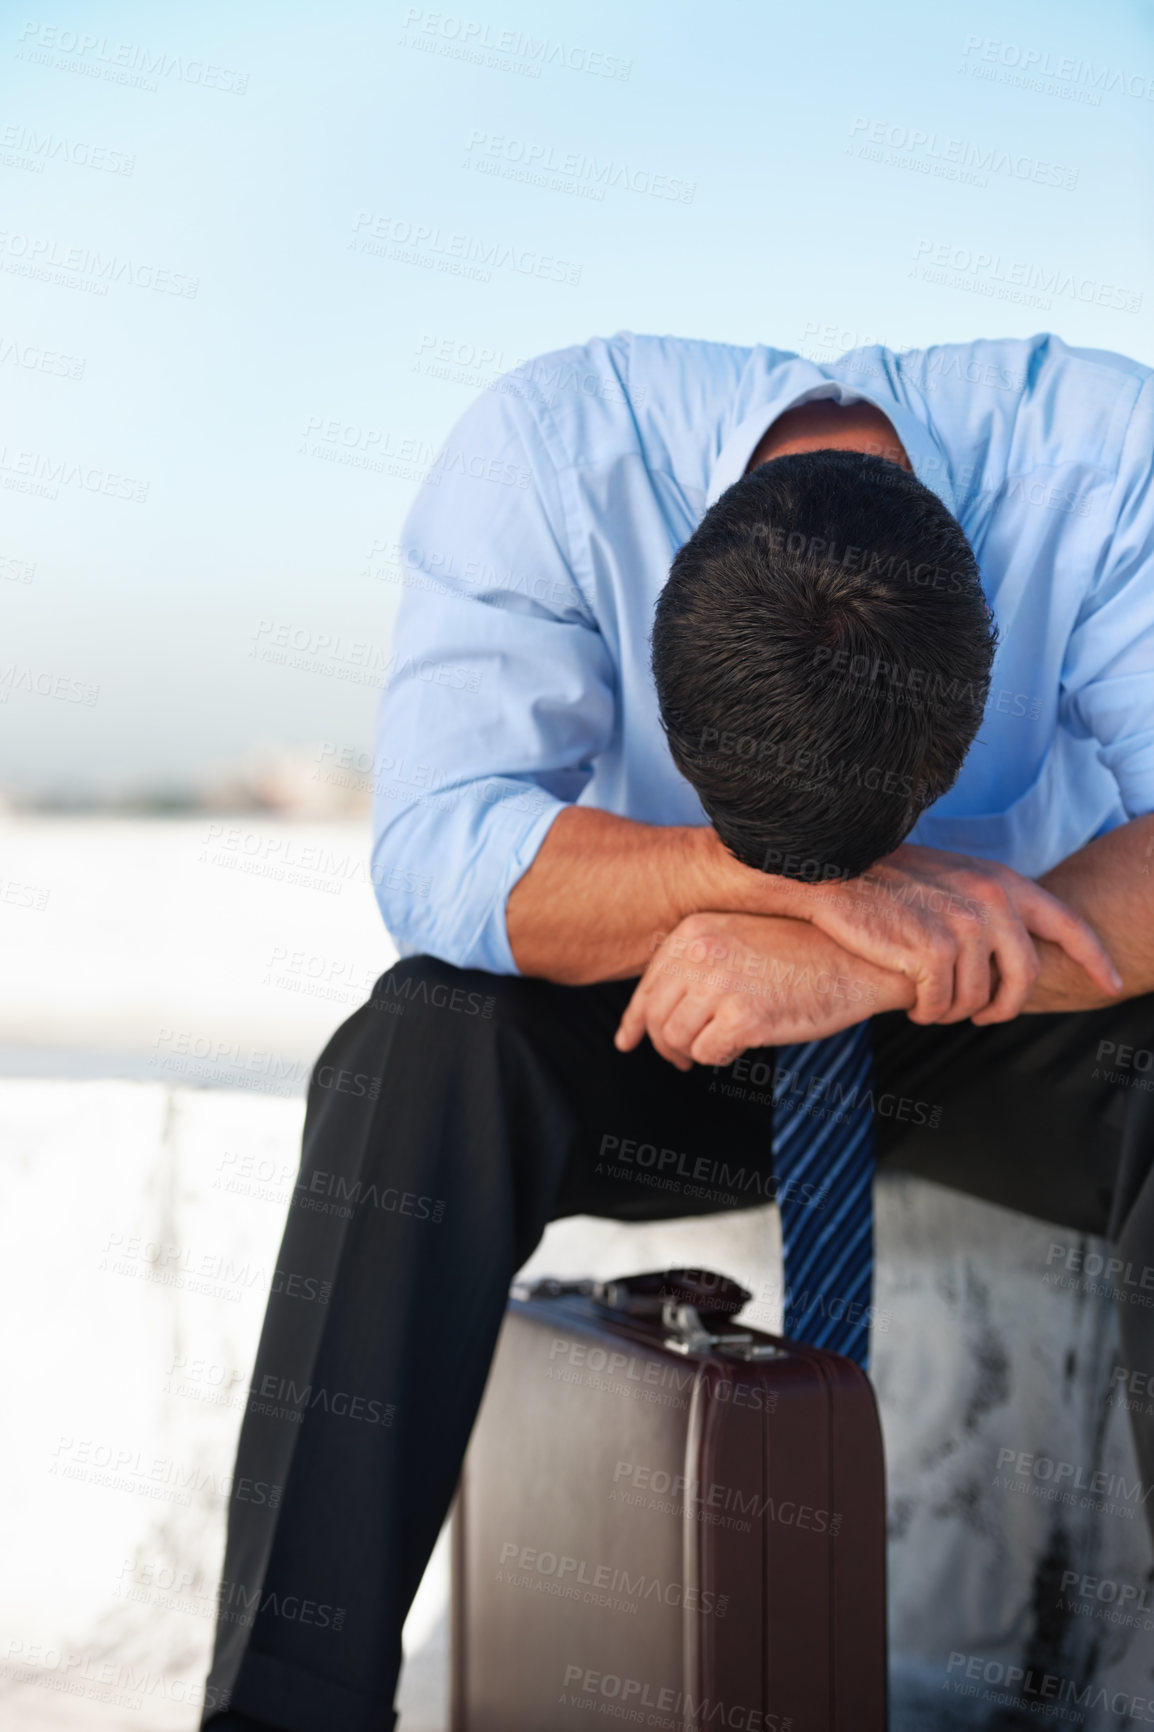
{"x":960,"y":929}
{"x":719,"y":983}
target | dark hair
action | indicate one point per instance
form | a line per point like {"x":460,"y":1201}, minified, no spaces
{"x":822,"y":654}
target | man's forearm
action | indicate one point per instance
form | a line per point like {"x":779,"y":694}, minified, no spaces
{"x":1110,"y":884}
{"x":601,"y":888}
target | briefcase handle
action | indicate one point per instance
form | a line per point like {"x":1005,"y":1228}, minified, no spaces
{"x":684,"y":1302}
{"x":711,"y":1295}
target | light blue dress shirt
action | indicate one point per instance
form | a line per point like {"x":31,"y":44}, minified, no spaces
{"x":542,"y":537}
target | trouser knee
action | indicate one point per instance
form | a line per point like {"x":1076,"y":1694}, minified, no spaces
{"x":414,"y":1081}
{"x":355,"y":1061}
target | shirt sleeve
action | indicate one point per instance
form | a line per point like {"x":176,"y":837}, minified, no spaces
{"x":1108,"y":676}
{"x":500,"y":688}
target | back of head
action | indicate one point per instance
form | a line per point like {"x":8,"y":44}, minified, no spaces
{"x":822,"y":654}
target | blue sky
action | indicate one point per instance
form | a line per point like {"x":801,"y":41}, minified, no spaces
{"x":813,"y":177}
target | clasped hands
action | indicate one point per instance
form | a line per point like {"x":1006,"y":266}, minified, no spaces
{"x":942,"y":936}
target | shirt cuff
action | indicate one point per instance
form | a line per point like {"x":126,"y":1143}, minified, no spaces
{"x":490,"y":944}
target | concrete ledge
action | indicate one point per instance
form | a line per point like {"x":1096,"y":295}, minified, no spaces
{"x":139,"y":1225}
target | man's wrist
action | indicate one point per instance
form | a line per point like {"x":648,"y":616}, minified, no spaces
{"x":715,"y":880}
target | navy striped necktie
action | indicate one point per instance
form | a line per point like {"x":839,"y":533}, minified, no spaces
{"x":823,"y":1155}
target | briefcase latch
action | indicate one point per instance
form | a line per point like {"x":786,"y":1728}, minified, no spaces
{"x":686,"y":1333}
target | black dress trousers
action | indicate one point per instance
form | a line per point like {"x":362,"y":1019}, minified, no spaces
{"x":449,"y":1120}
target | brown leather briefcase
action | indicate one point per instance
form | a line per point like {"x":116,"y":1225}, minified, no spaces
{"x":668,"y":1520}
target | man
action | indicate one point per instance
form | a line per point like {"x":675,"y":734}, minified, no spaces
{"x":873,"y":763}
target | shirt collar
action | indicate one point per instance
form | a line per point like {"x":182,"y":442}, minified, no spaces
{"x":799,"y":381}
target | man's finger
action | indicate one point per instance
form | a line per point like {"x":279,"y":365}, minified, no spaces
{"x":1048,"y":918}
{"x":643,"y":1016}
{"x":972,"y":982}
{"x":632,"y":1024}
{"x":686,"y":1021}
{"x":672,"y":1054}
{"x":660,"y":993}
{"x":666,"y":993}
{"x":720,"y":1040}
{"x":1014,"y":968}
{"x":933,"y":976}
